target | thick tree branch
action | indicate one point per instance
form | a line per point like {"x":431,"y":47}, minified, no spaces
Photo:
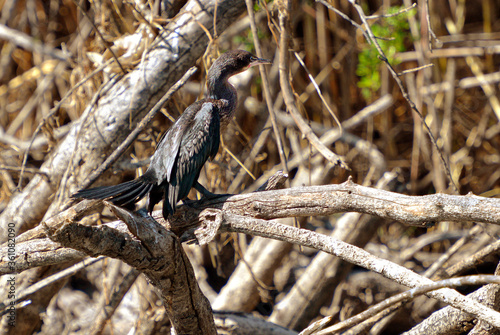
{"x":422,"y":211}
{"x":158,"y":254}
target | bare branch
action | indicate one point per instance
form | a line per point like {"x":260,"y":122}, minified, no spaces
{"x":27,"y":42}
{"x":422,"y":211}
{"x":357,"y":256}
{"x":408,"y":296}
{"x":288,"y":95}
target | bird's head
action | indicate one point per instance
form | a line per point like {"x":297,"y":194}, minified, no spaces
{"x":234,"y":62}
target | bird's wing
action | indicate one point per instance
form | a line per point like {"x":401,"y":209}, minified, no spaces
{"x":167,"y":150}
{"x":199,"y":143}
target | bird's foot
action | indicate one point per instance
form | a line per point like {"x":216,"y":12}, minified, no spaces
{"x":206,"y":194}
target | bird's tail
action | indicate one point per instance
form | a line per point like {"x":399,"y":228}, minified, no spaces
{"x":121,"y":194}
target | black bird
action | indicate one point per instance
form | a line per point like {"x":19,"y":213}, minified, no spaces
{"x":186,"y":146}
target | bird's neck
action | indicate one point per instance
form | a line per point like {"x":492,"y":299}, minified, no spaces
{"x":220,"y":89}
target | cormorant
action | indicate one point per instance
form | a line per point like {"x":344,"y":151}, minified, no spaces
{"x":186,"y":146}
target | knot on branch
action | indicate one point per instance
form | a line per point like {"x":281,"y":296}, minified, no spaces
{"x":210,"y":222}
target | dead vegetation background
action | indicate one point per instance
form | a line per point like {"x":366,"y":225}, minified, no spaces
{"x":53,"y":63}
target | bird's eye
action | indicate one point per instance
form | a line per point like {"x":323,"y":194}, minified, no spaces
{"x":253,"y":59}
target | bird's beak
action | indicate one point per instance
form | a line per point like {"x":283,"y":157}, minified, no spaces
{"x":259,"y":61}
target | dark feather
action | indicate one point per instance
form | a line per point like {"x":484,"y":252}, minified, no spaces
{"x":197,"y":145}
{"x":120,"y":195}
